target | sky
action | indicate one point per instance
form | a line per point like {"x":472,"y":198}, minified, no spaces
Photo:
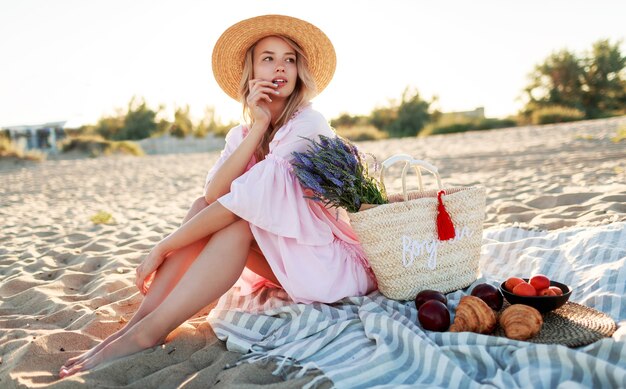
{"x":77,"y":60}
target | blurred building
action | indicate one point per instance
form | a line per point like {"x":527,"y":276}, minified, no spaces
{"x":478,"y":113}
{"x":42,"y":137}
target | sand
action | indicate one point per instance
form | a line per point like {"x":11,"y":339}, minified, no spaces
{"x":66,"y":283}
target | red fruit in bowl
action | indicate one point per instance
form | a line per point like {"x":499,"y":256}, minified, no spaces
{"x":433,"y":315}
{"x":489,"y":294}
{"x":557,"y":291}
{"x":524,"y":289}
{"x":546,"y":292}
{"x":539,"y":281}
{"x":427,"y":295}
{"x":511,"y":282}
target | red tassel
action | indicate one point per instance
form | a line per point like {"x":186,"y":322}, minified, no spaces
{"x":445,"y":228}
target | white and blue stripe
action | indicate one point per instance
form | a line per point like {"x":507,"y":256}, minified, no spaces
{"x":371,"y":341}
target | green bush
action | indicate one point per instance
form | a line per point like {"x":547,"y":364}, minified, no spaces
{"x":490,"y":124}
{"x":450,"y":128}
{"x":95,"y":145}
{"x":125,"y":147}
{"x":182,"y":125}
{"x":9,"y":151}
{"x":91,"y":144}
{"x":222,"y":129}
{"x":412,"y":115}
{"x":593,"y":82}
{"x":447,"y":126}
{"x":347,"y":120}
{"x":361,"y":133}
{"x":556,"y":114}
{"x":6,"y":145}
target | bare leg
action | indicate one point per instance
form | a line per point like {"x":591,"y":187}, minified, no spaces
{"x":213,"y":272}
{"x":168,"y":275}
{"x":258,"y":264}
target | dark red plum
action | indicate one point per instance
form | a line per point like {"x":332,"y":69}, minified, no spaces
{"x":433,"y":315}
{"x":489,"y":294}
{"x":427,"y":295}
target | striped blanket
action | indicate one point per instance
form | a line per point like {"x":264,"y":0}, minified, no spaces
{"x":371,"y":341}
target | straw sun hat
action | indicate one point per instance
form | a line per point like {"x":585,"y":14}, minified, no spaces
{"x":231,"y":47}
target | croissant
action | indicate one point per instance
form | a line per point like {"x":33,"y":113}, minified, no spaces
{"x":473,"y":315}
{"x":521,"y":322}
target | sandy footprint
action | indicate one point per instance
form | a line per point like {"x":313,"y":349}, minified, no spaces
{"x":555,"y":220}
{"x":47,"y":234}
{"x":46,"y":353}
{"x":523,"y":217}
{"x":99,"y":327}
{"x":63,"y":256}
{"x":76,"y":281}
{"x":618,"y":207}
{"x":125,"y":235}
{"x":78,"y":237}
{"x":574,"y":198}
{"x":98,"y":247}
{"x":142,"y":246}
{"x":618,"y":198}
{"x":18,"y":285}
{"x":512,"y":208}
{"x":94,"y":264}
{"x":63,"y":318}
{"x":49,"y":275}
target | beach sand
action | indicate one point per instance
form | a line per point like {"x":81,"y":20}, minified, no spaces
{"x":66,"y":283}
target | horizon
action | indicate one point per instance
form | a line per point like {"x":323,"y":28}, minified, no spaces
{"x":65,"y":62}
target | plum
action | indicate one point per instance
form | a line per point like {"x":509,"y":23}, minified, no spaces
{"x":433,"y":315}
{"x":489,"y":294}
{"x":427,"y":295}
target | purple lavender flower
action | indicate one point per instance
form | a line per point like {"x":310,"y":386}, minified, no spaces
{"x":333,"y":169}
{"x":309,"y":181}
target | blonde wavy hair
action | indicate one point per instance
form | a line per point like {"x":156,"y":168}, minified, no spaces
{"x":303,"y":92}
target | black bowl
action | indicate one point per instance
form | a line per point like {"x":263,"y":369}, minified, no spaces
{"x":542,"y":303}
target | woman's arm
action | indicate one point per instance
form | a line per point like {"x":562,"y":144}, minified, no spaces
{"x":233,"y":167}
{"x":206,"y":222}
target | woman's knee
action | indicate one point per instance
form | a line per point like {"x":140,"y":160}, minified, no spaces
{"x":238,"y":231}
{"x":199,"y":204}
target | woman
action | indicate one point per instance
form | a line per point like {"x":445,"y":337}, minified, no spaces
{"x":254,"y":222}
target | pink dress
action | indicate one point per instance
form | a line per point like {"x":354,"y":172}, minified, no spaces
{"x":312,"y":250}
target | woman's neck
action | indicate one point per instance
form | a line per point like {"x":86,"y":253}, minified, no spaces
{"x":276,"y":109}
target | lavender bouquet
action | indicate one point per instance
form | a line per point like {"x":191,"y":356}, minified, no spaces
{"x":337,"y":174}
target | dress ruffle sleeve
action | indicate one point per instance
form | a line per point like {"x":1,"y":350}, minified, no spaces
{"x":270,"y":197}
{"x":233,"y":139}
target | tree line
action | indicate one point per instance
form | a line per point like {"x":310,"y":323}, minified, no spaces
{"x":589,"y":86}
{"x":139,"y":121}
{"x":566,"y":86}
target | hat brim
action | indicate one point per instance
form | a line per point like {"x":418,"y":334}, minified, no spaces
{"x":230,"y":49}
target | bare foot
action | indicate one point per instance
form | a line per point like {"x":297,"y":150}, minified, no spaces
{"x":129,"y":343}
{"x":80,"y":358}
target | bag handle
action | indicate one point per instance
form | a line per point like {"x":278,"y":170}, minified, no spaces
{"x":417,"y":164}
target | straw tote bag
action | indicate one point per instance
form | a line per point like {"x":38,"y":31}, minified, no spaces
{"x":425,"y":239}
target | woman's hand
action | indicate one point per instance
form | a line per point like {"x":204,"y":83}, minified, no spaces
{"x":146,"y":271}
{"x":258,"y":100}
